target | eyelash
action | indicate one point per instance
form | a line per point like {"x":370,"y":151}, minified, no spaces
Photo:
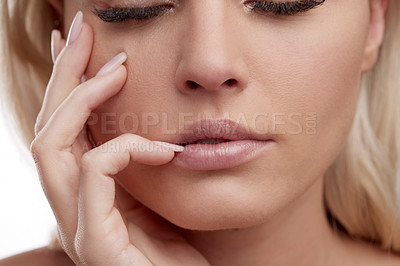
{"x":119,"y":15}
{"x":284,"y":8}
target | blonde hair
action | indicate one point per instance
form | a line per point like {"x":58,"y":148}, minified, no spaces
{"x":360,"y":186}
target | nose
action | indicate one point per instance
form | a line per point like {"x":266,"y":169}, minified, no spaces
{"x":210,"y":52}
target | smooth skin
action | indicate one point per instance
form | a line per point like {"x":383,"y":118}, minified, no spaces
{"x":91,"y":224}
{"x":286,"y":228}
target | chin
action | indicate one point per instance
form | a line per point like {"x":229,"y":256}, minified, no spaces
{"x":214,"y":219}
{"x":209,"y":210}
{"x":214,"y":200}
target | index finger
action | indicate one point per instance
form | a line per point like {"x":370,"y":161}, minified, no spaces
{"x":68,"y":70}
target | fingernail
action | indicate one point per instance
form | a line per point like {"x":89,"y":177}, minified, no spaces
{"x":173,"y":147}
{"x":113,"y":64}
{"x":75,"y":29}
{"x":55,"y":44}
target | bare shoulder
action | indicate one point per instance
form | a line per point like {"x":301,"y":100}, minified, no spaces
{"x":41,"y":256}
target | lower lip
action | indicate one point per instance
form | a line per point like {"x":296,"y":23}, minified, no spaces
{"x":219,"y":156}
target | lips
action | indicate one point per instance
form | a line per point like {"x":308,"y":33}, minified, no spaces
{"x":218,"y":144}
{"x":215,"y":131}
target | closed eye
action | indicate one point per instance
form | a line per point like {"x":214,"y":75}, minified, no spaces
{"x":284,"y":8}
{"x":117,"y":15}
{"x":281,"y":8}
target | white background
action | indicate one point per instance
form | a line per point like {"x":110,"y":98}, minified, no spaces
{"x":26,"y":219}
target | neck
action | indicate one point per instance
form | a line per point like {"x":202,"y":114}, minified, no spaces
{"x":299,"y":235}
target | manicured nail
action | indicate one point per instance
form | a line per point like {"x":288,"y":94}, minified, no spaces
{"x":112,"y":65}
{"x":173,"y":147}
{"x":75,"y":29}
{"x":55,"y":44}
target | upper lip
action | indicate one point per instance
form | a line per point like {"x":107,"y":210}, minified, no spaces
{"x":217,"y":129}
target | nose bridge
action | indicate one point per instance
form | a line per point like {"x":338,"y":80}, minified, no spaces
{"x":208,"y":29}
{"x":210,"y":56}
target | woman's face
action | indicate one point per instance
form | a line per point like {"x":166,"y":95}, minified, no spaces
{"x":296,"y":77}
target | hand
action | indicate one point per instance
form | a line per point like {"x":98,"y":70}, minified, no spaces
{"x":99,"y":223}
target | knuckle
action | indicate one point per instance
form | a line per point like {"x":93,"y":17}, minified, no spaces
{"x":40,"y":147}
{"x":128,"y":139}
{"x":124,"y":138}
{"x":36,"y":147}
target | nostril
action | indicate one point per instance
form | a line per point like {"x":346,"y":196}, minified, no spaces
{"x":192,"y":84}
{"x":231,"y":82}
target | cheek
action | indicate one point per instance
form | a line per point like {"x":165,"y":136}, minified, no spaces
{"x":149,"y":87}
{"x":314,"y":71}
